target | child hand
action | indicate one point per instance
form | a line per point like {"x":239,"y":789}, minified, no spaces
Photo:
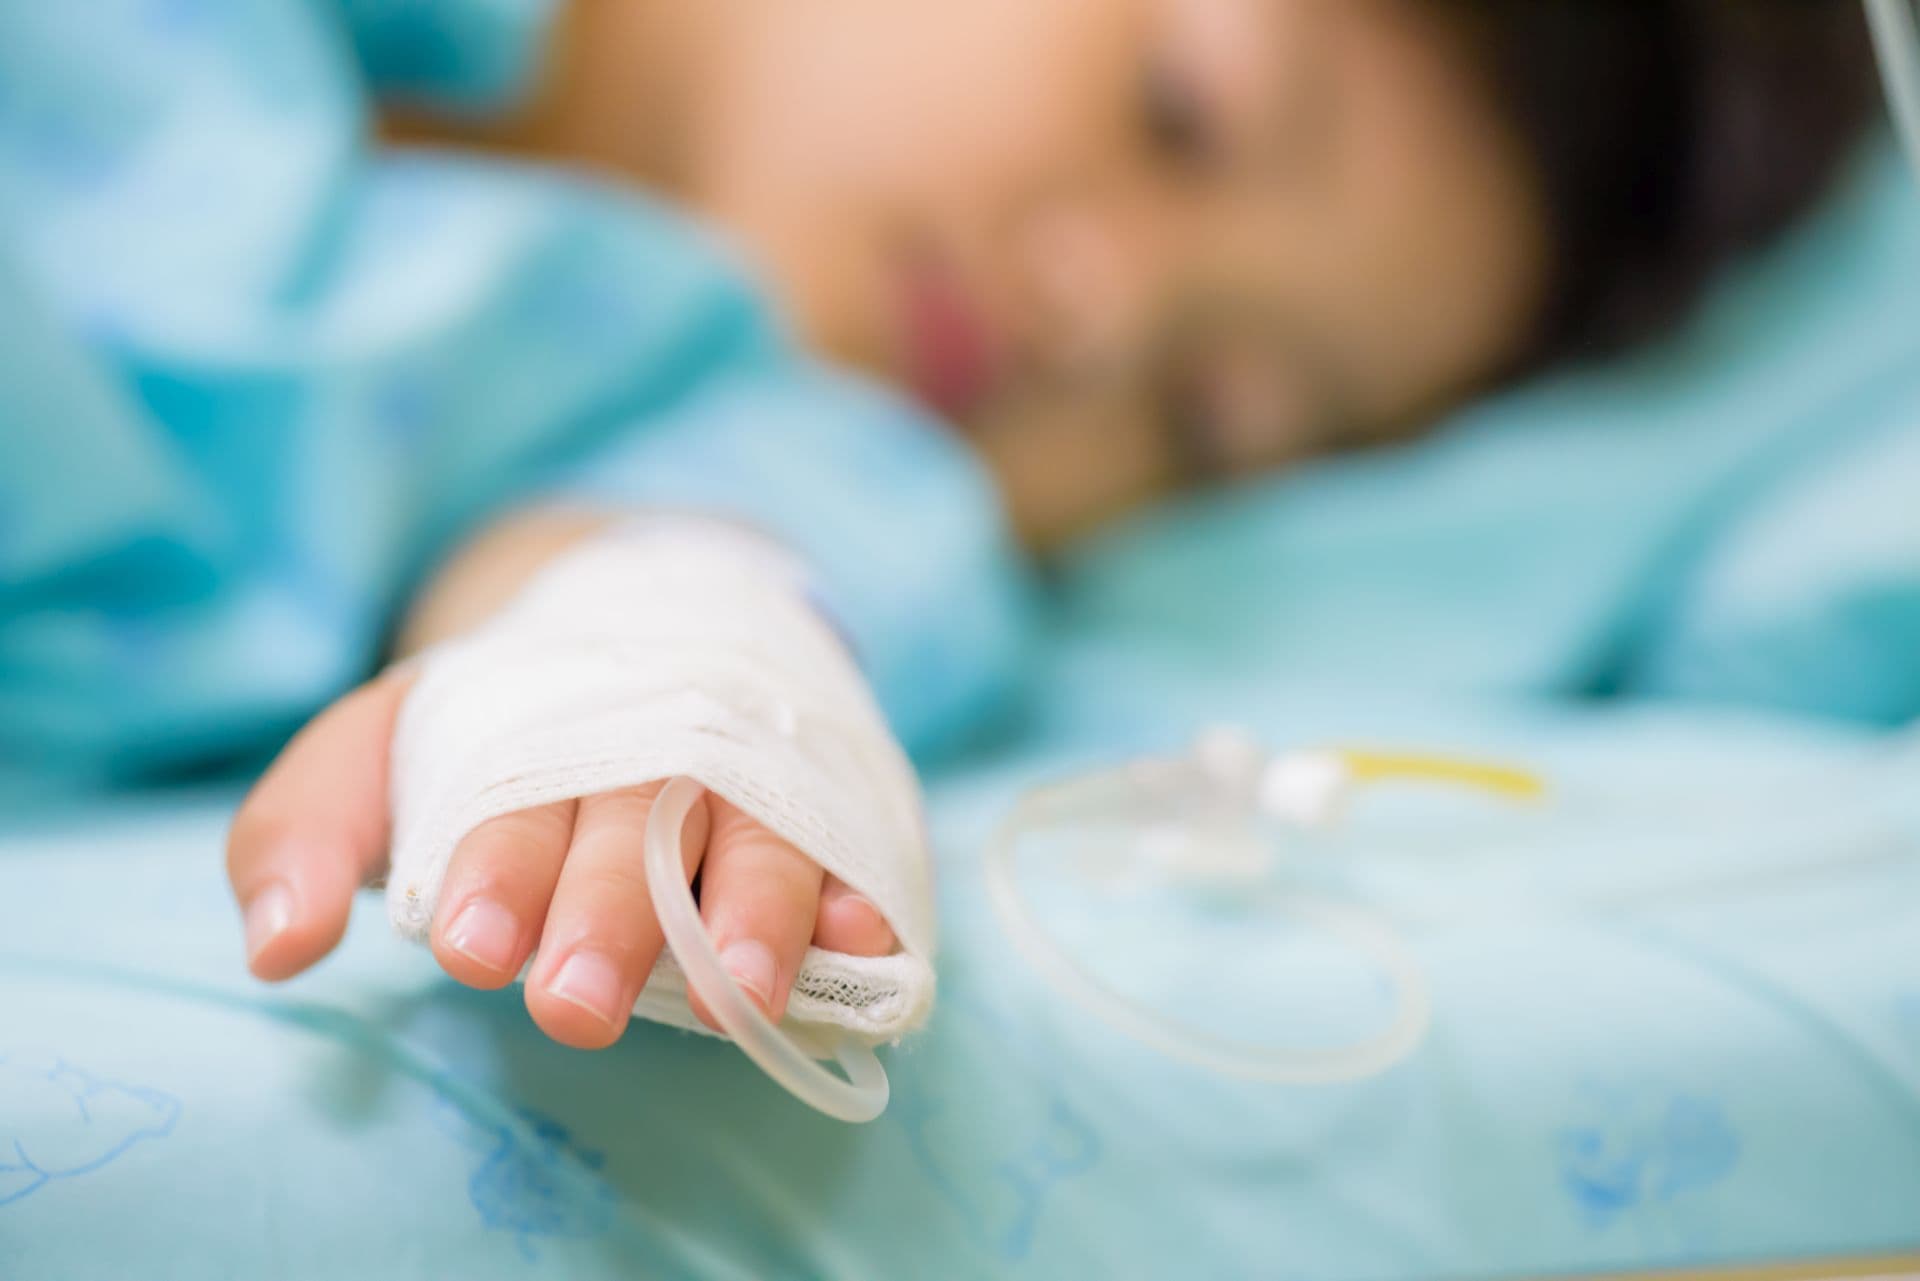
{"x":561,"y":883}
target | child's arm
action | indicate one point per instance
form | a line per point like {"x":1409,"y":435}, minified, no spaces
{"x":563,"y":876}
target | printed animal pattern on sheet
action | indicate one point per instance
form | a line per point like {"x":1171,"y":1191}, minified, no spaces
{"x":1638,"y":1146}
{"x":59,"y":1121}
{"x":532,"y":1179}
{"x":1000,"y":1190}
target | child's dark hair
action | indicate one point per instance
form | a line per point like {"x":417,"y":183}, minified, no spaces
{"x":1669,"y":136}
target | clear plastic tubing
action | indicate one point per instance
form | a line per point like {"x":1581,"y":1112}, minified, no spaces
{"x":1896,"y":40}
{"x":1367,"y":933}
{"x":861,"y":1096}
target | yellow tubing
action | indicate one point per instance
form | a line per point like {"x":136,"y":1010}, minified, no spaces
{"x":1503,"y":780}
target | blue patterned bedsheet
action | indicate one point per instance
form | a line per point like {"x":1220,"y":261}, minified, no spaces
{"x":1733,"y":1074}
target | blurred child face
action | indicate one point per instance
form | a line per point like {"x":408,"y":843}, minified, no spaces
{"x":1130,"y":244}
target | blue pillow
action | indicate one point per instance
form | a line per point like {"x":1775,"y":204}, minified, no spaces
{"x":1723,"y":516}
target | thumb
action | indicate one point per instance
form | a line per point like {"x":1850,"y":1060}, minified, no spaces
{"x":313,"y":830}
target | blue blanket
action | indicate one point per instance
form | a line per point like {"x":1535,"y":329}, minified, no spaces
{"x":1677,"y":1020}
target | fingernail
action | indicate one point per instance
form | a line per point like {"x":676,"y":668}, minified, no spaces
{"x":592,"y":982}
{"x":268,"y":915}
{"x":486,"y":934}
{"x":751,"y":963}
{"x":859,"y":903}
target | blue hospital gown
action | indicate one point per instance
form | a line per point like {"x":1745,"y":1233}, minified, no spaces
{"x":257,"y":376}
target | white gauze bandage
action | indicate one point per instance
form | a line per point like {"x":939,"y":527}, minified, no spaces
{"x":675,"y":648}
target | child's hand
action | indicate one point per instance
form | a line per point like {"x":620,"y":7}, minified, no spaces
{"x":562,"y":883}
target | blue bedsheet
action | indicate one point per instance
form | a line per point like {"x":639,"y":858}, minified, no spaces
{"x":1733,"y":1075}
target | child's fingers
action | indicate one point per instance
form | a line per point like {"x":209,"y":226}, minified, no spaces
{"x":850,"y":923}
{"x":758,"y":897}
{"x":313,"y":830}
{"x":496,"y":891}
{"x":602,"y":935}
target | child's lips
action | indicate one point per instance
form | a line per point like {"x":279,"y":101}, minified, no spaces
{"x":952,"y":359}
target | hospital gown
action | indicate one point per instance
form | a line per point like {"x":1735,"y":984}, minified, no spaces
{"x":257,"y":376}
